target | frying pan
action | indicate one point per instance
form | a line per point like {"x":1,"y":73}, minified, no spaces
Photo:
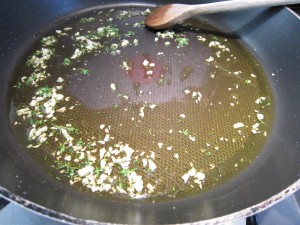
{"x":270,"y":34}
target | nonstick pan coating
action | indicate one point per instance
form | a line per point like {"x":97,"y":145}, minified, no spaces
{"x":275,"y":170}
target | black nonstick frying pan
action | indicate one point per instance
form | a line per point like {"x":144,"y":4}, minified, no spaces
{"x":269,"y":34}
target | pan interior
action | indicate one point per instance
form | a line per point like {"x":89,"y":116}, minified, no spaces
{"x":120,"y":111}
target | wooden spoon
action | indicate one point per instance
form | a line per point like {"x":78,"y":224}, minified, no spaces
{"x":169,"y":15}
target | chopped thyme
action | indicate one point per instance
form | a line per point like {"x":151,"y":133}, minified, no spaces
{"x":18,"y":85}
{"x":186,"y":132}
{"x":214,"y":38}
{"x":181,"y":41}
{"x":98,"y":170}
{"x":44,"y":91}
{"x":84,"y":71}
{"x":129,"y":34}
{"x":87,"y":20}
{"x":161,"y":81}
{"x":125,"y":172}
{"x":66,"y":62}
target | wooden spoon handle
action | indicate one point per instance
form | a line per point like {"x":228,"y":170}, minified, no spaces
{"x":169,"y":15}
{"x":233,"y":5}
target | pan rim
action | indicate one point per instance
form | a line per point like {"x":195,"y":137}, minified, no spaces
{"x":62,"y":217}
{"x":236,"y":215}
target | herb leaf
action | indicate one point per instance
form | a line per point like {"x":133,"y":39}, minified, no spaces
{"x":125,"y":172}
{"x":84,"y":71}
{"x":66,"y":62}
{"x":186,"y":132}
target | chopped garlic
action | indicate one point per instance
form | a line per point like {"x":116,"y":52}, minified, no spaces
{"x":135,"y":42}
{"x":126,"y":66}
{"x":192,"y":172}
{"x":61,"y":110}
{"x":200,"y":175}
{"x":182,"y":116}
{"x":192,"y":138}
{"x":185,"y":177}
{"x":145,"y":62}
{"x":68,"y":158}
{"x":210,"y":59}
{"x":152,"y":165}
{"x":141,"y":113}
{"x":66,"y":135}
{"x":150,"y":187}
{"x":176,"y":156}
{"x":238,"y":125}
{"x":113,"y":86}
{"x":260,"y":116}
{"x":145,"y":162}
{"x":85,"y":171}
{"x":152,"y":106}
{"x":60,"y":80}
{"x":187,"y":91}
{"x":260,"y":100}
{"x":170,"y":148}
{"x":167,"y":43}
{"x":124,"y":43}
{"x":152,"y":155}
{"x":102,"y":153}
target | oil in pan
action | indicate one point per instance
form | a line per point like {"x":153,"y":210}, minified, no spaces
{"x":112,"y":108}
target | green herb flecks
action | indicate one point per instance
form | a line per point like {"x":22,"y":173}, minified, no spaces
{"x":80,"y":143}
{"x":67,"y":168}
{"x":129,"y":34}
{"x":208,"y":154}
{"x":33,"y":121}
{"x":121,"y":183}
{"x":44,"y":91}
{"x":84,"y":71}
{"x":72,"y":130}
{"x":181,"y":41}
{"x":87,"y":20}
{"x":214,"y":38}
{"x":66,"y":62}
{"x":18,"y":85}
{"x":65,"y":149}
{"x":186,"y":72}
{"x":98,"y":171}
{"x":125,"y":172}
{"x":108,"y":32}
{"x":161,"y":81}
{"x":48,"y":41}
{"x":186,"y":132}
